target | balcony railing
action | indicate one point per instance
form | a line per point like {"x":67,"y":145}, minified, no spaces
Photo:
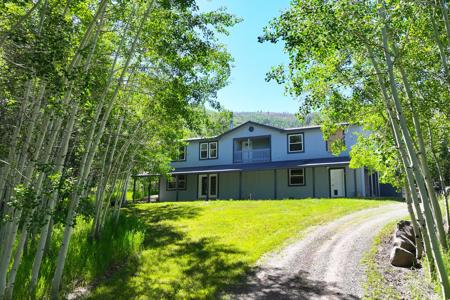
{"x":255,"y":155}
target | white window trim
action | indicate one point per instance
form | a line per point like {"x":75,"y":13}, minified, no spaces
{"x":208,"y":150}
{"x":184,"y":154}
{"x":302,"y":142}
{"x":290,"y":176}
{"x":209,"y":194}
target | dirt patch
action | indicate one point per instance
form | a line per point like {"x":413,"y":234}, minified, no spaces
{"x":409,"y":283}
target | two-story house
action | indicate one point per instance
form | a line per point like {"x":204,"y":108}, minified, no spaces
{"x":256,"y":161}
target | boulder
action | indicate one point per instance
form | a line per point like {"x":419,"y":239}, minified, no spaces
{"x":402,"y":258}
{"x":404,"y":243}
{"x":405,"y":228}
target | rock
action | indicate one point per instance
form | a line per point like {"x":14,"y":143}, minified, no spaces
{"x":402,"y":258}
{"x":405,"y":228}
{"x":404,"y":243}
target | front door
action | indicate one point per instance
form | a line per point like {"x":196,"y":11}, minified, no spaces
{"x":207,"y":186}
{"x":337,"y":183}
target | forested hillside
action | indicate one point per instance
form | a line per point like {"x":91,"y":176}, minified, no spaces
{"x":220,"y":121}
{"x":268,"y":118}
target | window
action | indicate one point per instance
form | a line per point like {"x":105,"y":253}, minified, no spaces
{"x":208,"y":150}
{"x":204,"y":151}
{"x":338,"y":138}
{"x":296,"y":176}
{"x":182,"y":153}
{"x":295,"y":142}
{"x":172,"y":183}
{"x":213,"y":150}
{"x":181,"y":182}
{"x":176,"y":182}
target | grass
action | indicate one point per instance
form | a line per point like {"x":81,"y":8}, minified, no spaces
{"x":86,"y":260}
{"x":197,"y":250}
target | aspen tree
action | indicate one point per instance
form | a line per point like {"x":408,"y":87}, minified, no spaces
{"x":86,"y":165}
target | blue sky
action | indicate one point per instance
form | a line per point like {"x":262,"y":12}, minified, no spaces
{"x":247,"y":89}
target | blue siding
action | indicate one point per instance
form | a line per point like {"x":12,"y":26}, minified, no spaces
{"x":258,"y":185}
{"x":261,"y":184}
{"x":268,"y":180}
{"x":285,"y":191}
{"x":189,"y":194}
{"x":314,"y":145}
{"x":229,"y":185}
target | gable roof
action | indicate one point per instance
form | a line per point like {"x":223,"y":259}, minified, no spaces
{"x":257,"y":124}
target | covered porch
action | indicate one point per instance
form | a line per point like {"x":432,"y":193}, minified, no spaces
{"x":315,"y":178}
{"x":146,"y":187}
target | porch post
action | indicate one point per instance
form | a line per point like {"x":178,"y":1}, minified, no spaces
{"x":378,"y":185}
{"x":240,"y":185}
{"x":149,"y":187}
{"x":314,"y":181}
{"x":143,"y":188}
{"x":159,"y":188}
{"x":363,"y":181}
{"x":176,"y":187}
{"x":345,"y":181}
{"x":134,"y":187}
{"x":275,"y":184}
{"x":207,"y":187}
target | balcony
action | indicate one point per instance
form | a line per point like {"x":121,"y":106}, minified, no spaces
{"x":257,"y":155}
{"x":252,"y":150}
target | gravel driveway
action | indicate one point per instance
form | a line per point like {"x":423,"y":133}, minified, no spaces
{"x":325,"y":264}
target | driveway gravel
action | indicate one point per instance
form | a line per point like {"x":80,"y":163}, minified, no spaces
{"x":324,"y":264}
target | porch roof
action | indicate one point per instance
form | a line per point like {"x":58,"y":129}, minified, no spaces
{"x":329,"y":161}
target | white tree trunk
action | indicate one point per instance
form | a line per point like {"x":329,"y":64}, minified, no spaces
{"x":85,"y":168}
{"x":429,"y":220}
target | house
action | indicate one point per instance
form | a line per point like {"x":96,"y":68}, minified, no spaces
{"x":256,"y":161}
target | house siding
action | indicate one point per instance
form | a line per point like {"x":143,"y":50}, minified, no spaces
{"x":229,"y":185}
{"x":284,"y":191}
{"x":322,"y":182}
{"x":190,"y":193}
{"x":268,"y":184}
{"x":258,"y":185}
{"x":314,"y":145}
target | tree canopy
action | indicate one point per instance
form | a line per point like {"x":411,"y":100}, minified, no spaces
{"x":91,"y":93}
{"x":383,"y":65}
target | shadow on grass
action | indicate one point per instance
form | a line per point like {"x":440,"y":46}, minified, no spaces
{"x":171,"y":264}
{"x":152,"y":213}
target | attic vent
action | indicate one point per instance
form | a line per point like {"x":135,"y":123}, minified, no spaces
{"x":251,"y":129}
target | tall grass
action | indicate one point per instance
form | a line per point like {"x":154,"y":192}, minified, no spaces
{"x":87,"y":259}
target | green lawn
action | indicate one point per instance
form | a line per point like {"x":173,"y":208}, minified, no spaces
{"x":195,"y":250}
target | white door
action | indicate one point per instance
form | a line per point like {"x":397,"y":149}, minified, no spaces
{"x":207,"y":186}
{"x":337,"y":183}
{"x":247,"y":151}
